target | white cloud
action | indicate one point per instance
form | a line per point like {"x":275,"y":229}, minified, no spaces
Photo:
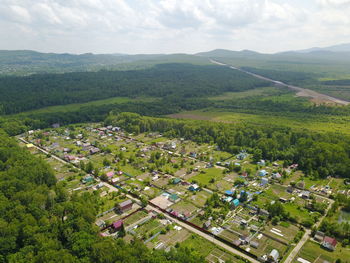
{"x":153,"y":26}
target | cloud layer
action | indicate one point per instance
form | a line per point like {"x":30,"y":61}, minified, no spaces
{"x":158,"y":26}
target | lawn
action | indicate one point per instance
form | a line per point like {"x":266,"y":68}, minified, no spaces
{"x":208,"y":175}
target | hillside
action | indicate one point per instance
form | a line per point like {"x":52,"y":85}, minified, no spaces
{"x":27,"y":62}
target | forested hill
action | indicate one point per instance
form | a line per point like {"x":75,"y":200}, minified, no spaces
{"x":27,"y":62}
{"x":168,"y":81}
{"x":41,"y":222}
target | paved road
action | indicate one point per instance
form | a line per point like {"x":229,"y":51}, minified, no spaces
{"x":206,"y":236}
{"x":319,"y":97}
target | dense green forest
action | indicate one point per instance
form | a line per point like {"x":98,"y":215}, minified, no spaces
{"x":170,"y":81}
{"x":318,"y":155}
{"x":41,"y":222}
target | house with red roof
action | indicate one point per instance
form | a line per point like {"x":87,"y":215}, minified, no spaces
{"x":117,"y":225}
{"x":329,"y":243}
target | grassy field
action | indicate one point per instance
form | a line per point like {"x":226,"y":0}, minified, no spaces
{"x":305,"y":121}
{"x":208,"y":175}
{"x":267,"y":91}
{"x":77,"y":106}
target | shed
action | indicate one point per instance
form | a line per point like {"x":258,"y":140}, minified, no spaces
{"x":125,"y":206}
{"x":254,"y":244}
{"x":194,"y":187}
{"x":274,"y":255}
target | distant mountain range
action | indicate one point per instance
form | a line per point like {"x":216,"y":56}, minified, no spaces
{"x":26,"y":62}
{"x":337,"y":48}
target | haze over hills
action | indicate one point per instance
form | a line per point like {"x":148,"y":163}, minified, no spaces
{"x":26,"y":62}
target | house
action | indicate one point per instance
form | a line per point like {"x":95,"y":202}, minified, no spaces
{"x":264,"y":181}
{"x":87,"y":179}
{"x":100,"y":223}
{"x":30,"y":145}
{"x":300,"y":185}
{"x":319,"y":236}
{"x":125,"y":206}
{"x":207,"y":224}
{"x":235,"y":202}
{"x":110,"y":174}
{"x":274,"y":255}
{"x":67,"y":150}
{"x":242,"y":155}
{"x":305,"y":194}
{"x":193,"y":154}
{"x":262,"y":163}
{"x":263,"y":173}
{"x":290,"y":189}
{"x":254,"y":244}
{"x":276,"y":176}
{"x":244,"y":222}
{"x":237,"y":242}
{"x":94,"y":150}
{"x":117,"y":225}
{"x":263,"y":212}
{"x":176,"y":180}
{"x":194,"y":187}
{"x":254,"y":228}
{"x":228,"y":192}
{"x":173,"y":198}
{"x":329,"y":243}
{"x":283,"y":200}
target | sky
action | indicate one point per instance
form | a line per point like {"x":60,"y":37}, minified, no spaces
{"x":172,"y":26}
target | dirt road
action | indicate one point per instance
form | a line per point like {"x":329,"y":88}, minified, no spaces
{"x":301,"y":92}
{"x":306,"y":236}
{"x":44,"y":151}
{"x":208,"y":237}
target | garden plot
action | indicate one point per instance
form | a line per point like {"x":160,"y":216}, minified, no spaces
{"x":189,"y":176}
{"x":230,"y":235}
{"x":161,"y":182}
{"x":185,"y":207}
{"x":217,"y":255}
{"x":266,"y":245}
{"x":171,"y":238}
{"x":314,"y":253}
{"x":199,"y":198}
{"x":284,"y":231}
{"x":151,"y":192}
{"x":134,"y":218}
{"x":148,"y":229}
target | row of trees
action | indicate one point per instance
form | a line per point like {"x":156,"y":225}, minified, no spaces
{"x":318,"y":155}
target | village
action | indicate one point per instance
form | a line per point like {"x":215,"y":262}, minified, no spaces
{"x":171,"y":191}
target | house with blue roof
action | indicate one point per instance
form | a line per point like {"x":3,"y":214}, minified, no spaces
{"x":228,"y":192}
{"x":263,"y":173}
{"x":235,"y":202}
